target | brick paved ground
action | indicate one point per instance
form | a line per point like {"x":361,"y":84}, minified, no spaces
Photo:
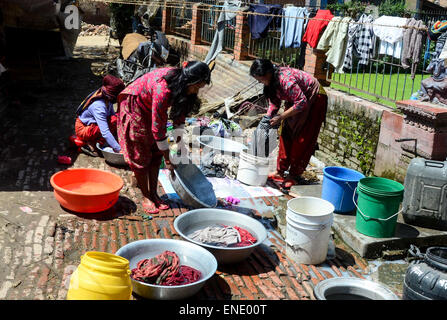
{"x":41,"y":249}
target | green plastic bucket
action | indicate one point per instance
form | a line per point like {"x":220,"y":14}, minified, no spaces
{"x":378,"y":206}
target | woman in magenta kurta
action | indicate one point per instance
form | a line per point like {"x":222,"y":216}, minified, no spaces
{"x":143,"y":116}
{"x":304,"y":112}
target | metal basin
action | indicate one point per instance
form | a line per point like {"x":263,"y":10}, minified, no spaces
{"x":116,"y":159}
{"x":193,"y":187}
{"x":222,"y":144}
{"x":352,"y":289}
{"x":193,"y":220}
{"x":189,"y":254}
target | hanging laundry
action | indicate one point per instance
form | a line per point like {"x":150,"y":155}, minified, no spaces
{"x":228,"y":12}
{"x":360,"y":41}
{"x":390,"y":31}
{"x":437,"y":29}
{"x":334,"y":41}
{"x":412,"y":44}
{"x":292,"y":29}
{"x":434,"y":33}
{"x":437,"y":66}
{"x":315,"y":27}
{"x":259,"y":24}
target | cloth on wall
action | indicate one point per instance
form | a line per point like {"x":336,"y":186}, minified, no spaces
{"x":292,"y":29}
{"x":412,"y":44}
{"x":259,"y":24}
{"x":437,"y":29}
{"x":228,"y":12}
{"x":334,"y":41}
{"x":390,"y":32}
{"x":315,"y":27}
{"x":437,"y":66}
{"x":360,"y":41}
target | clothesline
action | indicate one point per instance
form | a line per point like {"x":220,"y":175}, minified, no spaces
{"x":182,"y":6}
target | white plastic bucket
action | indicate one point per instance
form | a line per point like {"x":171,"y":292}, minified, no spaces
{"x":308,"y":227}
{"x":252,"y":170}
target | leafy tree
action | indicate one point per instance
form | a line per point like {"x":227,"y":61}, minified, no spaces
{"x":396,"y":8}
{"x":352,"y":8}
{"x":121,"y":19}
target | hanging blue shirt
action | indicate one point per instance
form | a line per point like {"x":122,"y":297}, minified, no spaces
{"x":292,"y":30}
{"x":259,"y":25}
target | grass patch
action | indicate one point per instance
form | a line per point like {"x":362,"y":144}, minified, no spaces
{"x":395,"y":86}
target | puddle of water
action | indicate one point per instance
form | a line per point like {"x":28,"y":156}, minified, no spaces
{"x":389,"y":273}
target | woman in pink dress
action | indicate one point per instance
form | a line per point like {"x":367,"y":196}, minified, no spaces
{"x":143,"y":115}
{"x":304,"y":112}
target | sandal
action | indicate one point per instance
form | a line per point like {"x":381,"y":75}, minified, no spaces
{"x":276,"y":178}
{"x":150,"y":209}
{"x":88,"y":151}
{"x":163,"y":206}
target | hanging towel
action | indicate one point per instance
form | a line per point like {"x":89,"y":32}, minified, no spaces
{"x":259,"y":24}
{"x":412,"y":44}
{"x":315,"y":27}
{"x":334,"y":40}
{"x":360,"y":41}
{"x":292,"y":28}
{"x":390,"y":31}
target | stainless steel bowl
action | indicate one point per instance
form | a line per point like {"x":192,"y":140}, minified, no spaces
{"x":193,"y":187}
{"x":352,"y":289}
{"x":193,"y":220}
{"x":116,"y":159}
{"x":188,"y":253}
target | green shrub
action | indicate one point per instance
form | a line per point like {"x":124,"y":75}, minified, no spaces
{"x":353,"y":8}
{"x":395,"y":8}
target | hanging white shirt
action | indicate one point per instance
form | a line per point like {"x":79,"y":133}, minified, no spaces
{"x":390,"y":31}
{"x":391,"y":49}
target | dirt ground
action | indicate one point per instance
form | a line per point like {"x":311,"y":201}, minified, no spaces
{"x":35,"y":131}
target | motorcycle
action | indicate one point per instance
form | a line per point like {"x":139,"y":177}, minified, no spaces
{"x":151,"y":52}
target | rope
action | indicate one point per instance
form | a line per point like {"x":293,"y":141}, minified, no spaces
{"x":202,"y":7}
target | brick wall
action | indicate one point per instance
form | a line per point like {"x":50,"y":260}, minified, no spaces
{"x":351,"y":133}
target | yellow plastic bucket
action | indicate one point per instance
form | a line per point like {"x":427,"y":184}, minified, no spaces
{"x":101,"y":276}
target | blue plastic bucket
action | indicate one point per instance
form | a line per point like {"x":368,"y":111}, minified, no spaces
{"x":338,"y":187}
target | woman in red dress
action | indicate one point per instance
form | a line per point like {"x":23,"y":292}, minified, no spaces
{"x":143,"y":115}
{"x":304,"y":112}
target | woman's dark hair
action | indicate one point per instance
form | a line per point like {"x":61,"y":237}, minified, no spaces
{"x":262,"y":67}
{"x":178,"y":81}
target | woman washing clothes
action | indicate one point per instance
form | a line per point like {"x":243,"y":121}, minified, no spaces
{"x":96,"y":120}
{"x":304,"y":112}
{"x":143,"y":116}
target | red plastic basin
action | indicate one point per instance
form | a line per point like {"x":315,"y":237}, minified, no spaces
{"x":86,"y":190}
